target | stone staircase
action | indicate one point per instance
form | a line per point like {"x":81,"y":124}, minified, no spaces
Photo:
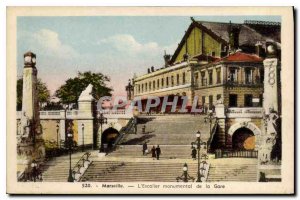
{"x":233,"y":171}
{"x":124,"y":171}
{"x":168,"y":151}
{"x":57,"y":169}
{"x":168,"y":130}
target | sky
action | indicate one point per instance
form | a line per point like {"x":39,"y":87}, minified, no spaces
{"x":117,"y":46}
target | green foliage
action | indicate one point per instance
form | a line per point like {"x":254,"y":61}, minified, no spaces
{"x":43,"y":92}
{"x":71,"y":90}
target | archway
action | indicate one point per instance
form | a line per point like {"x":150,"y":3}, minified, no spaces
{"x":243,"y":139}
{"x":108,"y":138}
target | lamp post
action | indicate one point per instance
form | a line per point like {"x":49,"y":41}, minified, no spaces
{"x":57,"y":138}
{"x":198,"y":143}
{"x":82,"y":128}
{"x":34,"y":170}
{"x":102,"y":120}
{"x":70,"y":141}
{"x":185,"y":177}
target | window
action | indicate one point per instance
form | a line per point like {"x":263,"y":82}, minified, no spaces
{"x":149,"y":86}
{"x":172,"y":81}
{"x":232,"y":100}
{"x":157,"y":83}
{"x":153,"y":85}
{"x":203,"y":100}
{"x":177,"y":79}
{"x":203,"y":79}
{"x":210,"y":77}
{"x":213,"y":54}
{"x":167,"y":82}
{"x":248,"y":100}
{"x":162,"y":82}
{"x":248,"y":76}
{"x":219,"y":96}
{"x":196,"y":78}
{"x":218,"y":76}
{"x":183,"y":78}
{"x":262,"y":75}
{"x":139,"y":88}
{"x":210,"y":101}
{"x":142,"y":88}
{"x":260,"y":100}
{"x":232,"y":75}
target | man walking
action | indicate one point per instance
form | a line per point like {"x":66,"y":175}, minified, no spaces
{"x":145,"y":147}
{"x":158,"y":152}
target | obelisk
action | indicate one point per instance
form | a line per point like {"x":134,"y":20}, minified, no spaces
{"x":270,"y":104}
{"x":30,"y":141}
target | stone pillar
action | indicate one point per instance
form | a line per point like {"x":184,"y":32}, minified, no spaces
{"x":30,"y":142}
{"x":220,"y":115}
{"x":62,"y":129}
{"x":85,"y":117}
{"x":270,"y":105}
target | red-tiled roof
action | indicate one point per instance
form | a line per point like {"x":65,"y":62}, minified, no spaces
{"x":241,"y":57}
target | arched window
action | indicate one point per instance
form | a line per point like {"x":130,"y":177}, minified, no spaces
{"x":167,"y":82}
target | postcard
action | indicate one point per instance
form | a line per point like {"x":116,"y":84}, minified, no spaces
{"x":150,"y":100}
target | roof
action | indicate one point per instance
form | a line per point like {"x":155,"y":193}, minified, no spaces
{"x":240,"y":57}
{"x":248,"y":35}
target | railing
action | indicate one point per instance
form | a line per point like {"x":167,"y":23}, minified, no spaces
{"x":60,"y":114}
{"x":243,"y":84}
{"x":36,"y":176}
{"x":244,"y":112}
{"x":125,"y":130}
{"x":236,"y":154}
{"x":213,"y":132}
{"x":119,"y":113}
{"x":114,"y":112}
{"x":81,"y":166}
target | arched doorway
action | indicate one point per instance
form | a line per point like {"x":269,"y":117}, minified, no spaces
{"x":243,"y":139}
{"x":108,"y":138}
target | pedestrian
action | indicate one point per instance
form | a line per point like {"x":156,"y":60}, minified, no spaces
{"x":145,"y":147}
{"x":158,"y":152}
{"x":194,"y":153}
{"x":153,"y":151}
{"x":144,"y":129}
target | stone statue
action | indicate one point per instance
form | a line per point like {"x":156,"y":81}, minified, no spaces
{"x":26,"y":126}
{"x":269,"y":138}
{"x":86,"y":94}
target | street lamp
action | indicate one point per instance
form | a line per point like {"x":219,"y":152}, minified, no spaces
{"x":70,"y":139}
{"x":57,"y":138}
{"x":185,"y":177}
{"x":34,"y":170}
{"x":198,"y":142}
{"x":82,"y":127}
{"x":102,"y":120}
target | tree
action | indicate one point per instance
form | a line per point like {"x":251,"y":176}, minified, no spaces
{"x":71,"y":90}
{"x":43,"y":92}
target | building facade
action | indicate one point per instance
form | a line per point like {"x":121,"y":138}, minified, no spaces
{"x":213,"y":61}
